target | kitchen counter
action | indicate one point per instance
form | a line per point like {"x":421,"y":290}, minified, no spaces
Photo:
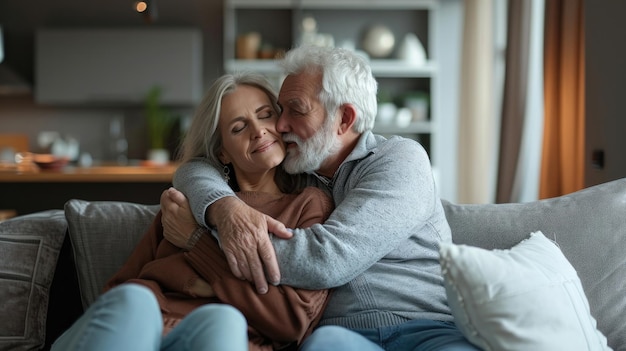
{"x":95,"y":174}
{"x":38,"y":190}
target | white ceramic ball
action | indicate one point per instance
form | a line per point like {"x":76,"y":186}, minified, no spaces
{"x":378,"y":41}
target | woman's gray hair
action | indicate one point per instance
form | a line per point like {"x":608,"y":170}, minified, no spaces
{"x":346,"y":78}
{"x":203,"y":138}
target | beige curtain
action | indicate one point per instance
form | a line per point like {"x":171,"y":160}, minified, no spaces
{"x":521,"y":133}
{"x":477,"y":126}
{"x":514,"y":100}
{"x":562,"y":170}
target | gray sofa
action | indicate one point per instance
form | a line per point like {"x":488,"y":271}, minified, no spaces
{"x":54,"y":263}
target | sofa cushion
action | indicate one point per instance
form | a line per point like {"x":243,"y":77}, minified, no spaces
{"x":103,"y":234}
{"x":29,"y":249}
{"x":525,"y":298}
{"x":588,"y":226}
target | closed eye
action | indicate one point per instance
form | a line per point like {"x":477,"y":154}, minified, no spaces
{"x":237,"y":128}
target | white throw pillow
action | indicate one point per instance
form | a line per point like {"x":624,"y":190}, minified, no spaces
{"x":526,"y":298}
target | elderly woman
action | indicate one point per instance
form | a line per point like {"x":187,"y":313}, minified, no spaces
{"x":164,"y":298}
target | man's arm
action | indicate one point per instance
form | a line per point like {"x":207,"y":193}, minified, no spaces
{"x":387,"y":198}
{"x":243,"y":231}
{"x":381,"y":206}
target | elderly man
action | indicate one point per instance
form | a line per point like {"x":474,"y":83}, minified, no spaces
{"x":378,"y":249}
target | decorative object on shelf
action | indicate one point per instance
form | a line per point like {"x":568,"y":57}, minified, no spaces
{"x":411,"y":50}
{"x":158,"y":157}
{"x":310,"y":36}
{"x":386,"y":108}
{"x":51,"y":142}
{"x":386,"y":113}
{"x":160,"y":122}
{"x":49,"y":161}
{"x":118,"y":145}
{"x":417,"y":103}
{"x":267,"y":51}
{"x":403,"y":117}
{"x":25,"y":162}
{"x":378,"y":41}
{"x":248,"y":45}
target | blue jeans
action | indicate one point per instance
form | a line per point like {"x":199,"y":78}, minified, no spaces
{"x":128,"y":317}
{"x":422,"y":335}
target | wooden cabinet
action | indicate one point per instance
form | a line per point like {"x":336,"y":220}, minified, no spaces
{"x":280,"y":26}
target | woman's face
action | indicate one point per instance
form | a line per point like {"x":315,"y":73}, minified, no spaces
{"x":249,"y":138}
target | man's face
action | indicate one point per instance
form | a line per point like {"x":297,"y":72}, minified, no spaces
{"x":309,"y":138}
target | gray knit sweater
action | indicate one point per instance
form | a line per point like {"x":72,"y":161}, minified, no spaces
{"x":378,"y":249}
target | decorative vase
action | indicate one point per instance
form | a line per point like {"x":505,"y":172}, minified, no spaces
{"x":411,"y":50}
{"x":248,"y":45}
{"x":159,"y":157}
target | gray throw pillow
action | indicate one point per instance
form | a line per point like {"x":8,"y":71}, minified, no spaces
{"x":103,"y":234}
{"x":29,"y":249}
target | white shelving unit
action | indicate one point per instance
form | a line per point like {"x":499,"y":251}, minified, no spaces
{"x":278,"y":22}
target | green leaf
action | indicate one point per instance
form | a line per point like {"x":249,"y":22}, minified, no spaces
{"x":158,"y":119}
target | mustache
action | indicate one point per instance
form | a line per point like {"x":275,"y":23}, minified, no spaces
{"x":292,"y":138}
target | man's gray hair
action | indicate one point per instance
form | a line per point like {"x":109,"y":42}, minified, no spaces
{"x":346,"y":78}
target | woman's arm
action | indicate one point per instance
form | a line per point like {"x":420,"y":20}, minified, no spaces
{"x":283,"y":314}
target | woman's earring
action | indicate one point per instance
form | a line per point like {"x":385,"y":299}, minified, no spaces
{"x":226,"y":173}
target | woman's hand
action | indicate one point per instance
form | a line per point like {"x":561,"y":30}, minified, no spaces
{"x":177,"y":220}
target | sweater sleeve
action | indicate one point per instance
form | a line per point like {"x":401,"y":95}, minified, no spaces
{"x":202,"y":184}
{"x":381,"y":200}
{"x":284,"y":314}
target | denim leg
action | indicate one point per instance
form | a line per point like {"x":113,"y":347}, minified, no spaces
{"x":126,"y":317}
{"x":213,"y":327}
{"x":332,"y":337}
{"x":420,"y":335}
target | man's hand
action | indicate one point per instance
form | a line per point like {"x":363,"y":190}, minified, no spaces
{"x":177,"y":219}
{"x":244,"y":238}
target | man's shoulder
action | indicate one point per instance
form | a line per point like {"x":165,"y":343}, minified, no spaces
{"x":397,"y":146}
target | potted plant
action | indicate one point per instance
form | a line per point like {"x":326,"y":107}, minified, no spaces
{"x":160,"y":122}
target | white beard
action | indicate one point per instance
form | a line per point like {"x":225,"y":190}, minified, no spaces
{"x":310,"y":154}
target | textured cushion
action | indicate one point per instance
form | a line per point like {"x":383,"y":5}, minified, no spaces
{"x":590,"y":228}
{"x":525,"y":298}
{"x":103,"y":234}
{"x":29,"y":249}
